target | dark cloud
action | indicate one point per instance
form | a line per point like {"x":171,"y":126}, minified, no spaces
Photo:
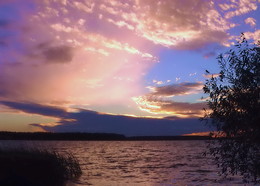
{"x":184,"y":108}
{"x":176,"y":89}
{"x":34,"y":108}
{"x":58,"y":54}
{"x":172,"y":117}
{"x":43,"y":45}
{"x":91,"y":121}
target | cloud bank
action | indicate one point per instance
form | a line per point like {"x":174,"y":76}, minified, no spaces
{"x":91,"y":121}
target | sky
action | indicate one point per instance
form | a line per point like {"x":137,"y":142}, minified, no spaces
{"x":134,"y":67}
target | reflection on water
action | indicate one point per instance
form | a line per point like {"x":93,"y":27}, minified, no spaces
{"x":114,"y":163}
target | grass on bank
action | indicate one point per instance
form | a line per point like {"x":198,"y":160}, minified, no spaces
{"x":37,"y":167}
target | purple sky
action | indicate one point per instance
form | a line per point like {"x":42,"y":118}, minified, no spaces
{"x":132,"y":67}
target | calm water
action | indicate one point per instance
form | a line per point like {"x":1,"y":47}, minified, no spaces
{"x":113,"y":163}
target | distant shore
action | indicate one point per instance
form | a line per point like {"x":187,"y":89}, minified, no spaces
{"x":77,"y":136}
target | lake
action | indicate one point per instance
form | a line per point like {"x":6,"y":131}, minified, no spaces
{"x":112,"y":163}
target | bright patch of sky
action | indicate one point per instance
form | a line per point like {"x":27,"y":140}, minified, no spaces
{"x":138,"y":58}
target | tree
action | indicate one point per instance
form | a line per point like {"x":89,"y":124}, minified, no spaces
{"x":234,"y":109}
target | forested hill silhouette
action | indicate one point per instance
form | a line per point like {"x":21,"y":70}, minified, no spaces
{"x":89,"y":137}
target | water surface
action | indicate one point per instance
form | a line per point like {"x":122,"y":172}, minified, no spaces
{"x":111,"y":163}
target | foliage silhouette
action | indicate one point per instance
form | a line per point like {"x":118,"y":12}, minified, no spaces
{"x":37,"y":167}
{"x":234,"y":108}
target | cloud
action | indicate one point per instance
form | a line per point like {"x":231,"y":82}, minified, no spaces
{"x":85,"y":55}
{"x":156,"y":105}
{"x":207,"y":76}
{"x":35,"y":108}
{"x":91,"y":121}
{"x":175,"y":24}
{"x":237,"y":8}
{"x":86,"y":7}
{"x":187,"y":27}
{"x":158,"y":100}
{"x":98,"y":52}
{"x":255,"y":36}
{"x":158,"y":82}
{"x":59,"y":54}
{"x":251,"y":21}
{"x":176,"y":89}
{"x":182,"y":108}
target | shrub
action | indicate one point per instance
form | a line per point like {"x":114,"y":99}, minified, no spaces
{"x":234,"y":103}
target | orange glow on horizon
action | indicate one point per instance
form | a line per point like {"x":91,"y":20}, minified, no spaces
{"x":198,"y":134}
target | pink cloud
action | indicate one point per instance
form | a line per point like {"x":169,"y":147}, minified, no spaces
{"x":255,"y":36}
{"x":251,"y":21}
{"x":59,"y":59}
{"x":158,"y":102}
{"x":210,"y":75}
{"x":157,"y":105}
{"x":237,"y":8}
{"x":187,"y":27}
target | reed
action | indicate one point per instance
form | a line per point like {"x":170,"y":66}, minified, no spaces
{"x":37,"y":167}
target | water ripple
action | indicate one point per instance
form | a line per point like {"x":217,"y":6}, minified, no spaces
{"x":139,"y":162}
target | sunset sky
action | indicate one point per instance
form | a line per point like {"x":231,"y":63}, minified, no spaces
{"x":135,"y":67}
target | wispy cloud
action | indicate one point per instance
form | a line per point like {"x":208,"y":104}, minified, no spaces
{"x":237,"y":8}
{"x":255,"y":36}
{"x":158,"y":102}
{"x":157,"y":105}
{"x":251,"y":21}
{"x":188,"y":27}
{"x":176,"y":89}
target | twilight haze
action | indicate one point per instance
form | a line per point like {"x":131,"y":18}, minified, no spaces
{"x":132,"y":67}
